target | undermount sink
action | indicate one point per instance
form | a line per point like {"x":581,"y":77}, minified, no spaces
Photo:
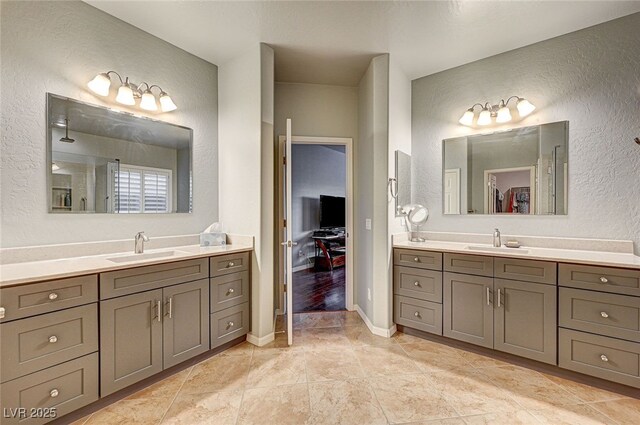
{"x":147,"y":256}
{"x":489,"y":248}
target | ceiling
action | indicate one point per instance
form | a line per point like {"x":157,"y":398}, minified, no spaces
{"x":331,"y":42}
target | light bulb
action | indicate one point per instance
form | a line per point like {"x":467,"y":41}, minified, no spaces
{"x":148,"y":101}
{"x":485,"y":117}
{"x":504,"y":114}
{"x":467,"y":117}
{"x":166,"y":103}
{"x":100,"y":84}
{"x":125,"y":95}
{"x":524,"y":107}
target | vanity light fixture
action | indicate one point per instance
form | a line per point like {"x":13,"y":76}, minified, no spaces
{"x":129,"y":92}
{"x":500,"y":112}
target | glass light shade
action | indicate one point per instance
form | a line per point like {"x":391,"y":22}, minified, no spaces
{"x":166,"y":103}
{"x":504,"y":114}
{"x":524,"y":107}
{"x":100,"y":84}
{"x":484,"y":118}
{"x":467,"y":117}
{"x":125,"y":95}
{"x":148,"y":101}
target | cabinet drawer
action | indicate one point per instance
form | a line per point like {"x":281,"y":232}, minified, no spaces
{"x":600,"y":356}
{"x":229,"y":290}
{"x":606,"y":279}
{"x":417,"y":258}
{"x":416,"y":283}
{"x":526,"y":270}
{"x":39,"y":342}
{"x":468,"y":264}
{"x":129,"y":281}
{"x":37,"y":298}
{"x":606,"y":314}
{"x":229,"y":324}
{"x":418,"y":314}
{"x":230,"y":263}
{"x":66,"y":387}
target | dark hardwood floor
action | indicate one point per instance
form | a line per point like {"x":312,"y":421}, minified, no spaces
{"x":319,"y":291}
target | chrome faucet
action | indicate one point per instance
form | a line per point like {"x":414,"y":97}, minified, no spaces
{"x":496,"y":238}
{"x":140,"y":239}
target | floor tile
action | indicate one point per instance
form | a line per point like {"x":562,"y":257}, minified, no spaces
{"x":472,"y":393}
{"x":131,"y":412}
{"x":361,"y":335}
{"x":218,"y":373}
{"x":577,"y":414}
{"x":584,"y":392}
{"x":384,"y":360}
{"x":529,"y":388}
{"x":332,"y":364}
{"x":433,"y":357}
{"x":324,"y":337}
{"x":403,"y":338}
{"x":219,"y":408}
{"x":344,"y":403}
{"x":282,"y":405}
{"x":352,"y":318}
{"x":242,"y":349}
{"x":626,"y":411}
{"x":167,"y":388}
{"x":271,"y":369}
{"x":450,"y":421}
{"x":317,"y":320}
{"x":479,"y":360}
{"x":521,"y":417}
{"x":410,"y":398}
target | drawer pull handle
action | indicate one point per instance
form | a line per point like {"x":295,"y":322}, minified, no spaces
{"x":604,"y":358}
{"x":2,"y":312}
{"x":53,"y":339}
{"x":416,"y":283}
{"x":231,"y":264}
{"x":230,"y":324}
{"x":53,"y":296}
{"x":417,"y":314}
{"x":416,"y":259}
{"x":604,"y":279}
{"x":170,"y":304}
{"x":488,"y":296}
{"x":499,"y":297}
{"x":158,"y":316}
{"x":54,"y":393}
{"x":604,"y":314}
{"x":231,"y":291}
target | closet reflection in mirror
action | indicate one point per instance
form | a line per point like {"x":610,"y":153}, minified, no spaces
{"x":105,"y":161}
{"x":521,"y":171}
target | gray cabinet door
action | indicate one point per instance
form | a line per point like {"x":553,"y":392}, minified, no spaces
{"x":185,"y":331}
{"x":229,"y":290}
{"x":525,"y":319}
{"x":468,"y":308}
{"x":418,"y":283}
{"x":130,"y":340}
{"x":418,"y":314}
{"x":229,"y":324}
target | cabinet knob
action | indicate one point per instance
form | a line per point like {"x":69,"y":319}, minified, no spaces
{"x":54,"y":393}
{"x":230,"y":324}
{"x":604,"y":358}
{"x":231,"y":264}
{"x":53,"y":339}
{"x":416,"y":283}
{"x":604,"y":314}
{"x":416,"y":259}
{"x":417,"y":314}
{"x":604,"y":279}
{"x":231,"y":290}
{"x":2,"y":312}
{"x":53,"y":296}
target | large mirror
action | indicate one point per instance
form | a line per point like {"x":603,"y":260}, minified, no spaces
{"x":105,"y":161}
{"x":521,"y":171}
{"x":403,"y":181}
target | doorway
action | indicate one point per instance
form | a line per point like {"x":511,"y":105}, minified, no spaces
{"x":321,"y":222}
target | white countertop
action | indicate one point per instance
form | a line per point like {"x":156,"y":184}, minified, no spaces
{"x":34,"y":271}
{"x":597,"y":258}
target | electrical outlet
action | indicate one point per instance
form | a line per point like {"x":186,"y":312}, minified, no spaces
{"x":369,"y":294}
{"x":367,"y":223}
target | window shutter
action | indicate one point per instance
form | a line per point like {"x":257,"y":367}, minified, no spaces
{"x":156,"y":192}
{"x":128,"y":191}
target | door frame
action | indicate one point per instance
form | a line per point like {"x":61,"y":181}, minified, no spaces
{"x":347,"y":142}
{"x":532,"y":184}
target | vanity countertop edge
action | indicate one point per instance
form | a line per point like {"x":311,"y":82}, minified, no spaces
{"x":593,"y":258}
{"x":37,"y":271}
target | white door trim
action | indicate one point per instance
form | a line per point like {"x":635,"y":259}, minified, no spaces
{"x":341,"y":141}
{"x":532,"y":183}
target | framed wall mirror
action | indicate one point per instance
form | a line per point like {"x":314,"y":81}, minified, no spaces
{"x":515,"y":172}
{"x":105,"y":161}
{"x":403,"y":181}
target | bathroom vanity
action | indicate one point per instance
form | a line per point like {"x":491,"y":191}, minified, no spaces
{"x":581,"y":314}
{"x":68,"y":341}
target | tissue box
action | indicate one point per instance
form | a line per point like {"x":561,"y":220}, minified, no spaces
{"x":213,"y":239}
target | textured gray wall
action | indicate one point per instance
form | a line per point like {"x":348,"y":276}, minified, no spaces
{"x":316,"y":170}
{"x":58,"y":47}
{"x":589,"y":77}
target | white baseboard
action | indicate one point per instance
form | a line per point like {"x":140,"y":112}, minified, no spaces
{"x":252,"y":339}
{"x":387,"y":333}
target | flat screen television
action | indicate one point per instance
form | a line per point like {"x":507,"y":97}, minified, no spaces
{"x":332,"y":211}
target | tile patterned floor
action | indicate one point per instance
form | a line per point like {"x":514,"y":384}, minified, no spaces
{"x":339,"y":373}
